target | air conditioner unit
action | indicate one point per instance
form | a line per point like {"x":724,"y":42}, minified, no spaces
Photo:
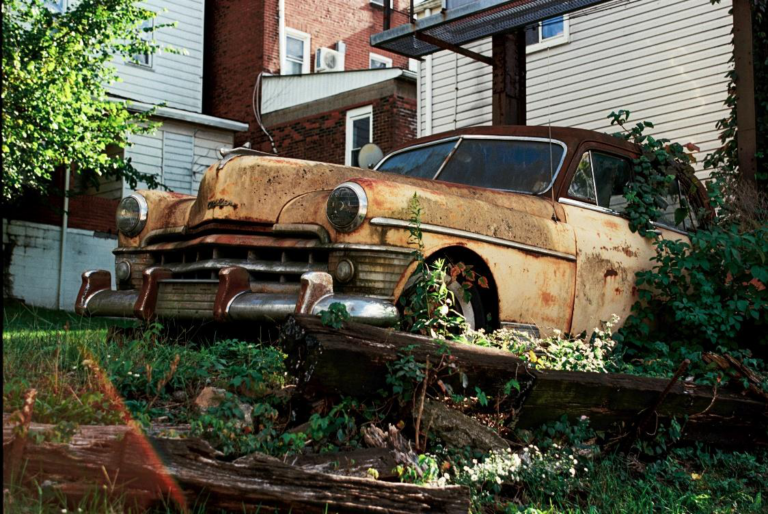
{"x":328,"y":60}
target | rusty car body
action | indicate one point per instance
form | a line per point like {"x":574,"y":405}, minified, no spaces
{"x":258,"y":242}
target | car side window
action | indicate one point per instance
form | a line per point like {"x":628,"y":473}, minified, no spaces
{"x":611,"y":175}
{"x":583,"y":184}
{"x":600,"y":179}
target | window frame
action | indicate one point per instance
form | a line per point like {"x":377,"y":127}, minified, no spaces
{"x":306,"y":65}
{"x":543,"y":44}
{"x":149,"y":65}
{"x":567,"y":199}
{"x":377,"y":57}
{"x":352,"y":116}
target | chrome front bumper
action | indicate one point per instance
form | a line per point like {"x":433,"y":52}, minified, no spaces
{"x":233,"y":301}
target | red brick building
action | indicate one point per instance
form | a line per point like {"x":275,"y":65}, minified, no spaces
{"x":289,"y":42}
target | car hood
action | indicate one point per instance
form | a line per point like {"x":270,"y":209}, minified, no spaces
{"x":256,"y":189}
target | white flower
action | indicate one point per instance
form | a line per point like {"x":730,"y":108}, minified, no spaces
{"x":498,"y":479}
{"x":585,"y":470}
{"x":572,"y":472}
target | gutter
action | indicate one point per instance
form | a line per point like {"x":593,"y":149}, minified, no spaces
{"x":189,"y":117}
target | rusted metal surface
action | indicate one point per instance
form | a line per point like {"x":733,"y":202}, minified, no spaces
{"x":92,"y":282}
{"x":609,"y":255}
{"x":555,"y":266}
{"x":147,"y":300}
{"x":233,"y":281}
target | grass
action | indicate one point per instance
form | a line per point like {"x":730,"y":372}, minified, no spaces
{"x":84,"y":378}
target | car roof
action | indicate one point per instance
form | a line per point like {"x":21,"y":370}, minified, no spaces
{"x":572,"y":137}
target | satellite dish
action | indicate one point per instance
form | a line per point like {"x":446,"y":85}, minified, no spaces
{"x":369,"y":156}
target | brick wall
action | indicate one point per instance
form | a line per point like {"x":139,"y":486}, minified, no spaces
{"x":85,"y":211}
{"x":322,"y":137}
{"x":241,"y":40}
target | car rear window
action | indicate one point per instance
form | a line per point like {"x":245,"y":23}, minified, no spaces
{"x":514,"y":165}
{"x":420,"y":162}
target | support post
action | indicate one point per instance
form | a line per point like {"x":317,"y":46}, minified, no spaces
{"x":745,"y":89}
{"x":509,"y":79}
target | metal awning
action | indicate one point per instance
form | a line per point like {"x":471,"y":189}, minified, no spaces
{"x":477,"y":20}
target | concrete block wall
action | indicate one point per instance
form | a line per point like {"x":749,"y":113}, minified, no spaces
{"x":31,"y":261}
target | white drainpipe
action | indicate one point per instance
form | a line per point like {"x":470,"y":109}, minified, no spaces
{"x":281,"y":32}
{"x":428,"y":86}
{"x":63,"y":240}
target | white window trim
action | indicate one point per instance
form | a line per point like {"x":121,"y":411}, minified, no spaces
{"x":562,"y":39}
{"x":296,"y":34}
{"x":150,"y":57}
{"x":59,"y":6}
{"x":352,"y":115}
{"x":376,"y":57}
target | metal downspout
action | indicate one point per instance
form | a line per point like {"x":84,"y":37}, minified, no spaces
{"x":281,"y":33}
{"x":428,"y":86}
{"x":63,"y":239}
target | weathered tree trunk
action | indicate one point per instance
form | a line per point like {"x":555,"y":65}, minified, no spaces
{"x":149,"y":470}
{"x":354,"y":359}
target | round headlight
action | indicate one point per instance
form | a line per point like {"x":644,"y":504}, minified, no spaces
{"x":131,"y":214}
{"x":347,"y":206}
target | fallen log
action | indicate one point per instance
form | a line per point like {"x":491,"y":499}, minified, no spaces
{"x":722,"y":418}
{"x":354,"y":359}
{"x":147,"y":471}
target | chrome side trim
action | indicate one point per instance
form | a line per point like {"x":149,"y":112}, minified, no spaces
{"x":331,"y":247}
{"x":435,"y":229}
{"x":254,"y":266}
{"x":597,"y":208}
{"x":370,"y":248}
{"x":671,"y":229}
{"x":585,"y":205}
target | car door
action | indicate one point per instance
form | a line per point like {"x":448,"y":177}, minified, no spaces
{"x":608,"y":253}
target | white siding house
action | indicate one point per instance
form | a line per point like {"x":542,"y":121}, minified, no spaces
{"x":179,"y":152}
{"x":664,"y":60}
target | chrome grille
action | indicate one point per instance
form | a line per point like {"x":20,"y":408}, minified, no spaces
{"x":376,"y":273}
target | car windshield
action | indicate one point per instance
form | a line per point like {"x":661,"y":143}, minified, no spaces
{"x":420,"y":162}
{"x":521,"y":165}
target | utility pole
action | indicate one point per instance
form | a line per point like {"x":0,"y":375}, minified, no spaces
{"x":746,"y":133}
{"x":509,"y":79}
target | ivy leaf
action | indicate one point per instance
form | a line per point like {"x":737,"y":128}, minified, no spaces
{"x":482,"y":399}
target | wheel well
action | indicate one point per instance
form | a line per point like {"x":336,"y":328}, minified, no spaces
{"x":489,"y":296}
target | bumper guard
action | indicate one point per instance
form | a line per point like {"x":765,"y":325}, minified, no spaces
{"x":234,"y":299}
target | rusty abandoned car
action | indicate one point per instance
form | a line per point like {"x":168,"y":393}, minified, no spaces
{"x":536,"y":210}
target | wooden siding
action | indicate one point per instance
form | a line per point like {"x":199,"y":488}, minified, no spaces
{"x":173,"y":79}
{"x":664,"y":60}
{"x":178,"y":152}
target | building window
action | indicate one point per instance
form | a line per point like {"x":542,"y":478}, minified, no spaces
{"x":379,"y":61}
{"x":296,"y":55}
{"x":58,"y":5}
{"x":359,"y":132}
{"x":547,"y":33}
{"x":145,"y":59}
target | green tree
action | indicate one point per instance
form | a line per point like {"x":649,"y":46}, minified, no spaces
{"x":56,"y":68}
